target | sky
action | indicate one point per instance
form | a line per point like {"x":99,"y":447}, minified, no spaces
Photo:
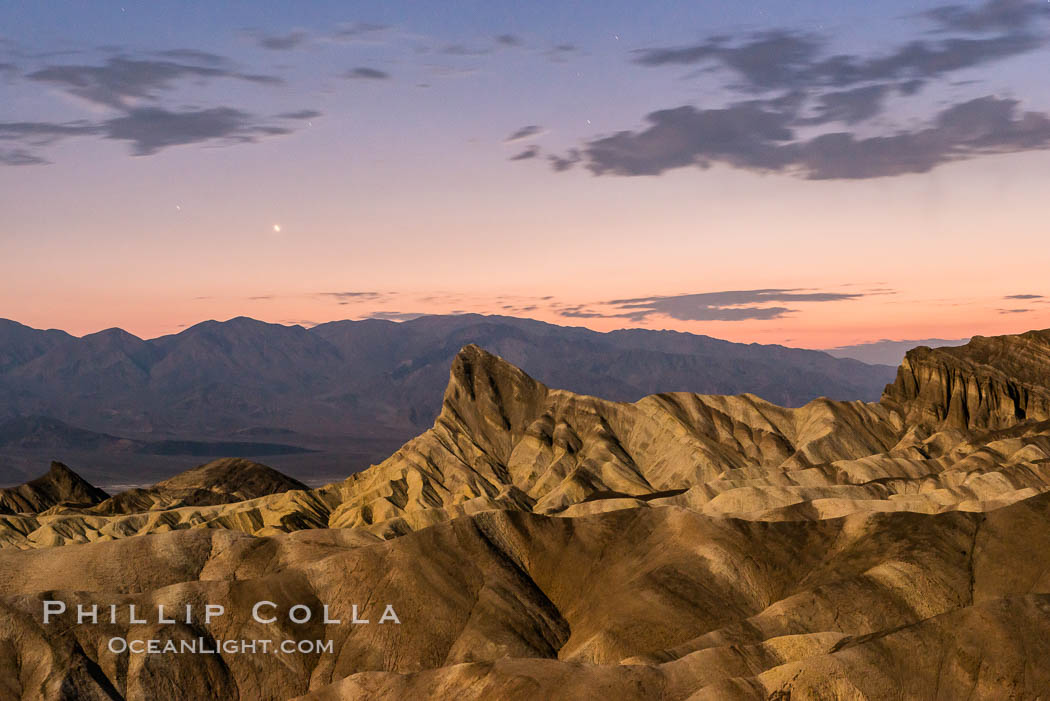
{"x":815,"y":174}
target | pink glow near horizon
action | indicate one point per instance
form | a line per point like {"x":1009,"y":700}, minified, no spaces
{"x":614,"y":239}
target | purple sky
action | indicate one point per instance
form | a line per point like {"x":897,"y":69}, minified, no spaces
{"x":813,"y":173}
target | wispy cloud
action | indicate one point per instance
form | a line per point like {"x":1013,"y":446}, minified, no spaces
{"x":996,"y":15}
{"x":366,"y":73}
{"x":359,"y":31}
{"x":348,"y":297}
{"x":563,"y":163}
{"x":395,"y":316}
{"x":148,"y":130}
{"x":729,"y":305}
{"x":529,"y":152}
{"x":132,"y":88}
{"x":559,"y":53}
{"x":509,"y":40}
{"x":281,"y":42}
{"x":152,"y":129}
{"x":123,"y":83}
{"x":786,"y":59}
{"x":300,"y":115}
{"x":194,"y":56}
{"x":526,"y":132}
{"x":20,"y":157}
{"x":463,"y":50}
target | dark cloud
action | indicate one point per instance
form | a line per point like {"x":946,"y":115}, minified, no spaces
{"x":42,"y":133}
{"x":1023,"y":297}
{"x":194,"y":56}
{"x":450,"y":71}
{"x":359,"y":30}
{"x":509,"y":40}
{"x":563,"y":163}
{"x":986,"y":125}
{"x":733,"y":305}
{"x":745,"y":136}
{"x":347,"y":297}
{"x":462,"y":50}
{"x":524,"y":133}
{"x":365,"y":73}
{"x":131,"y":86}
{"x":300,"y":114}
{"x":560,"y":53}
{"x":530,"y":152}
{"x":1014,"y":311}
{"x":750,"y":136}
{"x":795,"y":80}
{"x":395,"y":316}
{"x":20,"y":157}
{"x":579,"y":311}
{"x":850,"y":106}
{"x":783,"y":59}
{"x":774,"y":59}
{"x":8,"y":69}
{"x":282,"y":42}
{"x":993,"y":15}
{"x":148,"y":130}
{"x":152,"y":129}
{"x":122,"y":82}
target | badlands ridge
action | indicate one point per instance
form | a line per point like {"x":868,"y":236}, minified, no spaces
{"x":542,"y":544}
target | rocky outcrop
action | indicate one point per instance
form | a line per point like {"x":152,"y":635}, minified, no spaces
{"x":224,"y":481}
{"x":59,"y":487}
{"x":990,"y":383}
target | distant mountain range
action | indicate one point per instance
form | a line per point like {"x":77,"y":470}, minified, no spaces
{"x":371,"y":380}
{"x":887,"y":352}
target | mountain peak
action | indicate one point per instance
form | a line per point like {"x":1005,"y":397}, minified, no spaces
{"x":233,"y":475}
{"x":478,"y":373}
{"x":60,"y":485}
{"x":222,"y":481}
{"x":496,"y":399}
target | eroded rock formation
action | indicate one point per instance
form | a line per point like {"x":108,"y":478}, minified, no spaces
{"x":541,"y":544}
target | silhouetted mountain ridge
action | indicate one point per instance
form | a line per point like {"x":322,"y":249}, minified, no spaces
{"x":373,"y":378}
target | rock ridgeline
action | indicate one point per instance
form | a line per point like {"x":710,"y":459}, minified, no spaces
{"x":59,"y":487}
{"x":960,"y":429}
{"x":990,"y":383}
{"x":224,"y":481}
{"x":538,"y":543}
